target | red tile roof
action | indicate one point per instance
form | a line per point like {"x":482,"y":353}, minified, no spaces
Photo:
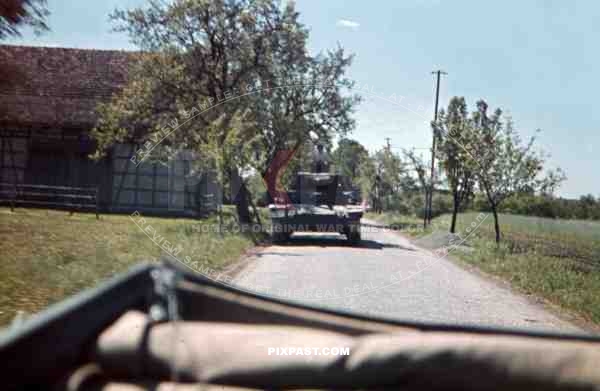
{"x":57,"y":87}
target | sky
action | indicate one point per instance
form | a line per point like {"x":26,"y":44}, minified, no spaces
{"x":533,"y":59}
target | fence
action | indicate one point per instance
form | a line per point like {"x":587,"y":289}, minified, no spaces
{"x":59,"y":197}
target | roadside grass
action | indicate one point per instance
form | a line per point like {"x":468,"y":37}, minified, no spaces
{"x":407,"y":224}
{"x":558,"y":260}
{"x":558,"y":280}
{"x":540,"y":226}
{"x":48,"y":255}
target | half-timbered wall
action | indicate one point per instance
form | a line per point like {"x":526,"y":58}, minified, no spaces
{"x":13,"y":158}
{"x":61,"y":158}
{"x":161,"y":187}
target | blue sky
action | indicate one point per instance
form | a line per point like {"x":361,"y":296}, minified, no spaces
{"x":534,"y":59}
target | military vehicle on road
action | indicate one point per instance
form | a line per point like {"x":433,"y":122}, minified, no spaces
{"x":316,"y":204}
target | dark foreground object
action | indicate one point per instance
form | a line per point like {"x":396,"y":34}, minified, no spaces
{"x":159,"y":324}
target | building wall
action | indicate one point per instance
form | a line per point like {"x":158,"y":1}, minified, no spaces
{"x":48,"y":102}
{"x":59,"y":158}
{"x":14,"y":153}
{"x":168,"y":187}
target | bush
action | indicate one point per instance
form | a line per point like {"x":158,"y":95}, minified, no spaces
{"x":441,"y":204}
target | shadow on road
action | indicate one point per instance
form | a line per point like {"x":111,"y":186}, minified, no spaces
{"x":337,"y":241}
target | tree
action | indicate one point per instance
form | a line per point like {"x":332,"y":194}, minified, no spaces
{"x":453,"y":132}
{"x":17,"y":13}
{"x":418,"y":166}
{"x":380,"y":177}
{"x":307,"y":103}
{"x":368,"y":181}
{"x":504,"y":165}
{"x":348,"y":157}
{"x":390,"y":170}
{"x":210,"y":69}
{"x":301,"y":161}
{"x":587,"y":206}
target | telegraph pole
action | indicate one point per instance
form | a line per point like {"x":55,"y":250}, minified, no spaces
{"x":429,"y":193}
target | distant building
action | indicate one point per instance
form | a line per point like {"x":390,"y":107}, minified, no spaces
{"x":48,"y":98}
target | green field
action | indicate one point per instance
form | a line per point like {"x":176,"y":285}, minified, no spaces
{"x":558,"y":260}
{"x":48,"y":255}
{"x":576,"y":240}
{"x":579,"y":229}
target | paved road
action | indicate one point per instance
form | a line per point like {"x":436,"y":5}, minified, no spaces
{"x":387,"y":276}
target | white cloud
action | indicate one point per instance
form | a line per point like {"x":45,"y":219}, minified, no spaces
{"x":347,"y":23}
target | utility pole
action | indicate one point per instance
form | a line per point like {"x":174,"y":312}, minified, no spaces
{"x":388,"y":145}
{"x":429,"y":193}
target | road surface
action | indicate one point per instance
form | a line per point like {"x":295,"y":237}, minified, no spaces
{"x":387,"y":276}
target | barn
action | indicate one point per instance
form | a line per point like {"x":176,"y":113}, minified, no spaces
{"x":48,"y":98}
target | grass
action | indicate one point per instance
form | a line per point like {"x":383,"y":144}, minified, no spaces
{"x":576,"y":240}
{"x":407,"y":224}
{"x":49,"y":255}
{"x":558,"y":260}
{"x":540,"y":226}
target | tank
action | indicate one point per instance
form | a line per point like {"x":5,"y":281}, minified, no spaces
{"x":317,"y":203}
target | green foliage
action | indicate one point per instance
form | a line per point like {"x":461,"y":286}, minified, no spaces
{"x":453,"y":131}
{"x":418,"y":166}
{"x":390,"y":171}
{"x":487,"y":167}
{"x":502,"y":163}
{"x":585,"y":208}
{"x":302,"y":161}
{"x":230,"y":80}
{"x":348,"y":158}
{"x":257,"y":189}
{"x":505,"y":165}
{"x":381,"y":177}
{"x":534,"y":205}
{"x":367,"y":175}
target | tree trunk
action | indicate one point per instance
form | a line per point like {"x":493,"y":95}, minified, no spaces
{"x":496,"y":224}
{"x":426,"y":208}
{"x":220,"y":214}
{"x":254,"y":210}
{"x":454,"y":213}
{"x":239,"y":195}
{"x":242,"y":204}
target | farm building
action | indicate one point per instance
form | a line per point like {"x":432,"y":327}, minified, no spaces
{"x":47,"y":109}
